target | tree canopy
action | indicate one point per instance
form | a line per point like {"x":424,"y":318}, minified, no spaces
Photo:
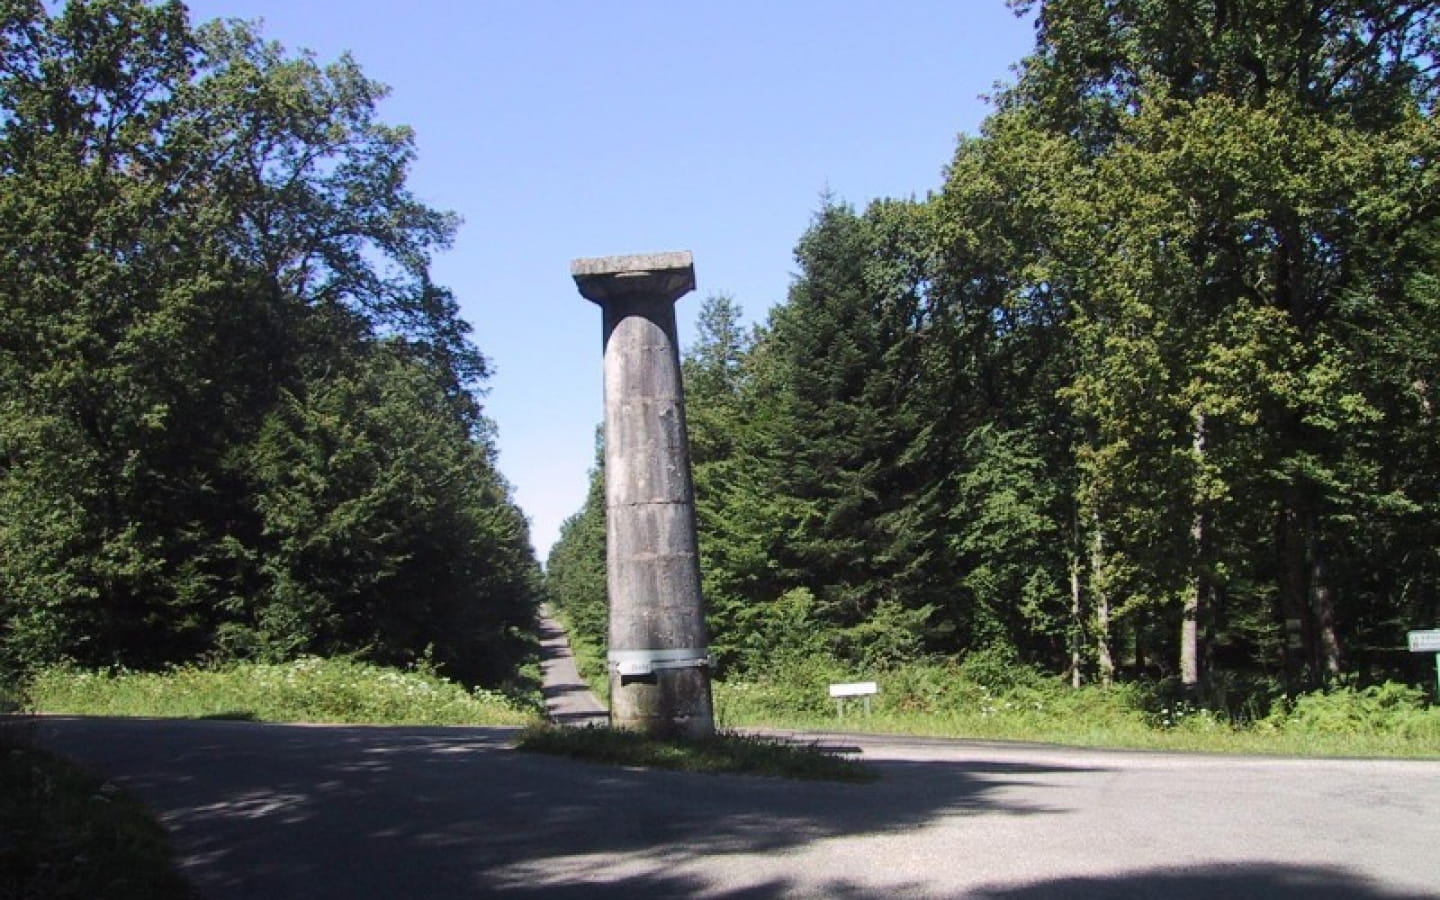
{"x":237,"y":418}
{"x":1146,"y":387}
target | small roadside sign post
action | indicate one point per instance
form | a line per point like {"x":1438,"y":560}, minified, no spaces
{"x":1428,"y":642}
{"x":865,"y":689}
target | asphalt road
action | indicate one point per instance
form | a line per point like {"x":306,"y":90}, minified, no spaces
{"x":568,"y":699}
{"x":280,"y":811}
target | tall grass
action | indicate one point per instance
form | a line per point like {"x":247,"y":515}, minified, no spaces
{"x":983,"y":700}
{"x":306,"y":690}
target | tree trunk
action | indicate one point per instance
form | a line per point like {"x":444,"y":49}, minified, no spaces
{"x":1076,"y":630}
{"x":1194,"y":591}
{"x":1322,"y":607}
{"x":1293,"y":587}
{"x":1190,"y":638}
{"x":1105,"y":661}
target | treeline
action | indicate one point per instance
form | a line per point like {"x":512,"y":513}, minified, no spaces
{"x":1147,"y":387}
{"x":237,"y":418}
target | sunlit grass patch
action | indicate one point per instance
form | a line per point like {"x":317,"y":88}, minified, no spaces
{"x":305,"y":690}
{"x":725,"y":753}
{"x":948,"y":700}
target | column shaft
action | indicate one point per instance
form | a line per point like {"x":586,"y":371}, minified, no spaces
{"x":659,"y":674}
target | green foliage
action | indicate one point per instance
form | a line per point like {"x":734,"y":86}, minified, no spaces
{"x":797,"y":686}
{"x":778,"y":635}
{"x":991,"y":696}
{"x":308,"y":689}
{"x":997,"y":668}
{"x":729,"y":508}
{"x":385,"y":527}
{"x":1013,"y":701}
{"x":848,"y":437}
{"x":68,"y":834}
{"x":575,"y":571}
{"x":236,"y":416}
{"x":889,"y":635}
{"x":724,"y":753}
{"x":1012,"y":539}
{"x":1379,"y":710}
{"x":1233,"y":222}
{"x":1145,"y":393}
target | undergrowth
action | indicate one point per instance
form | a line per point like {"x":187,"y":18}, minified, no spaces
{"x":995,"y":699}
{"x":306,"y":690}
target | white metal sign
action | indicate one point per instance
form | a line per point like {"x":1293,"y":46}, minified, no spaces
{"x":862,"y":689}
{"x":1425,"y":641}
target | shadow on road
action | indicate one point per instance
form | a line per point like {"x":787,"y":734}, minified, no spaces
{"x":258,"y":810}
{"x":296,"y":811}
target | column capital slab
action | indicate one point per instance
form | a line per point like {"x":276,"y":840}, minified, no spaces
{"x":602,"y":278}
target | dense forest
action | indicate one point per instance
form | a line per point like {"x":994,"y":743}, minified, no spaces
{"x":1146,"y":388}
{"x":237,"y":418}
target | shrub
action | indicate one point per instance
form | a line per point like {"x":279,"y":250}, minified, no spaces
{"x":928,"y":689}
{"x":1383,"y":709}
{"x":796,"y":686}
{"x":998,"y":667}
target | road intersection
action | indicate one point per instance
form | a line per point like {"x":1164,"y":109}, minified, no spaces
{"x":271,"y":811}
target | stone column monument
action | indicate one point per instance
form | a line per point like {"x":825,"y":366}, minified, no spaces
{"x":659,"y":660}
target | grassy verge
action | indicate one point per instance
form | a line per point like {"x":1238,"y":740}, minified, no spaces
{"x":66,"y":833}
{"x":947,"y":701}
{"x":725,"y":753}
{"x":306,"y":690}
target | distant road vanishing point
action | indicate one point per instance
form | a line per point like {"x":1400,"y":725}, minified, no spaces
{"x":568,"y":699}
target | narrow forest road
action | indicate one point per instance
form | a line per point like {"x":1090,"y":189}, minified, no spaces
{"x":568,"y":699}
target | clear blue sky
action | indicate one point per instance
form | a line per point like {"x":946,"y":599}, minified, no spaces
{"x":569,"y":128}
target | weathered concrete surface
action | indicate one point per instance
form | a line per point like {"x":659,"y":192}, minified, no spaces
{"x":287,"y":811}
{"x":601,"y":278}
{"x":653,"y":571}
